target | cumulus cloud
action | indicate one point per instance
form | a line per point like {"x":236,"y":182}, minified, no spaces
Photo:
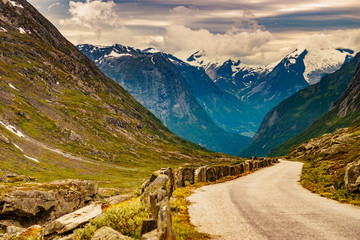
{"x":234,"y":43}
{"x":92,"y":14}
{"x":333,"y":39}
{"x":221,"y":29}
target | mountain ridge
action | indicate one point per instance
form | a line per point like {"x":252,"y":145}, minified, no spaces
{"x":158,"y":84}
{"x":295,"y":113}
{"x":344,"y":113}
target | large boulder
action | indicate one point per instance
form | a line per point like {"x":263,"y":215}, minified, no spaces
{"x":72,"y":220}
{"x":40,"y":203}
{"x":159,"y":188}
{"x":352,"y":177}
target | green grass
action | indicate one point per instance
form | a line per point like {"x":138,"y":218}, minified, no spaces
{"x":126,"y":218}
{"x":324,"y":174}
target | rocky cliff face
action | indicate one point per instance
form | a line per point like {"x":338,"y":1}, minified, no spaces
{"x":61,"y":117}
{"x":297,"y":112}
{"x":159,"y":85}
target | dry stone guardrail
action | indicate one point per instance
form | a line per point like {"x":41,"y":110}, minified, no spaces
{"x":159,"y":188}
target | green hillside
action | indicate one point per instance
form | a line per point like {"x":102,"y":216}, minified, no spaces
{"x":344,"y":113}
{"x":61,"y":117}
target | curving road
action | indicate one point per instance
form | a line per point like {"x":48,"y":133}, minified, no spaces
{"x":271,"y":204}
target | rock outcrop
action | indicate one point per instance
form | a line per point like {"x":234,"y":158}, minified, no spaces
{"x":40,"y":203}
{"x":326,"y":144}
{"x":352,"y":177}
{"x":72,"y":220}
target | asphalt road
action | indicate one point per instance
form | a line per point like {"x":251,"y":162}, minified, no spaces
{"x":271,"y":204}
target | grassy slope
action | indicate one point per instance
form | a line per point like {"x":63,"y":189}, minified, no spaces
{"x":311,"y":109}
{"x":77,"y":122}
{"x":324,"y":173}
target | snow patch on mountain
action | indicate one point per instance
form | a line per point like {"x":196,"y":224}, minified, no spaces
{"x":15,"y":4}
{"x":115,"y":54}
{"x":12,"y":129}
{"x":23,"y":31}
{"x":319,"y":63}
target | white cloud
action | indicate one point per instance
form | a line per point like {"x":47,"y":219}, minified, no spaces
{"x":220,"y":28}
{"x":333,"y":39}
{"x":92,"y":14}
{"x":182,"y":10}
{"x":57,"y":4}
{"x":234,"y":43}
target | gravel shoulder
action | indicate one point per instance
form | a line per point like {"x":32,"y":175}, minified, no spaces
{"x":271,"y":204}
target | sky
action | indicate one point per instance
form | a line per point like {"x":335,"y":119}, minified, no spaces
{"x":258,"y":32}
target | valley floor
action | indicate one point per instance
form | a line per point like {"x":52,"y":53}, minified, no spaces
{"x":271,"y":204}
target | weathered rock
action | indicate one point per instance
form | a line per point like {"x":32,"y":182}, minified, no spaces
{"x":352,"y":177}
{"x":235,"y":170}
{"x":68,"y":237}
{"x":246,"y":166}
{"x":48,"y":202}
{"x":200,"y":174}
{"x":242,"y":168}
{"x":170,"y":173}
{"x":164,"y":223}
{"x":14,"y":231}
{"x":158,"y":188}
{"x":148,"y":225}
{"x":153,"y":235}
{"x":210,"y":174}
{"x":6,"y":223}
{"x":4,"y":139}
{"x":224,"y":171}
{"x":107,"y":233}
{"x":13,"y":178}
{"x":72,"y":220}
{"x":183,"y":176}
{"x":118,"y":199}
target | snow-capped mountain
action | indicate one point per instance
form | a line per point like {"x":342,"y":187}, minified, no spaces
{"x":159,"y":85}
{"x":264,"y":87}
{"x":226,"y":110}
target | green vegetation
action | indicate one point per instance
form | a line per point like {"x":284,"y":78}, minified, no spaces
{"x":126,"y":217}
{"x":297,"y":112}
{"x":347,"y":103}
{"x":324,"y":173}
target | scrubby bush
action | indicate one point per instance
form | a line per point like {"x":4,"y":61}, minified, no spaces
{"x":127,"y":218}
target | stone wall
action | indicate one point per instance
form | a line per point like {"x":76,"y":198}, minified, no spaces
{"x":159,"y":188}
